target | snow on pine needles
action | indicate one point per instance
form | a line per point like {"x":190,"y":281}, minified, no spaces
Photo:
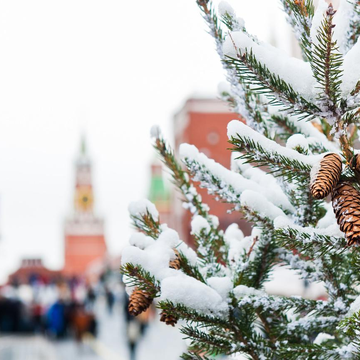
{"x":298,"y":117}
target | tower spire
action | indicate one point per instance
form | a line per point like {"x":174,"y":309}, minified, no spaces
{"x":84,"y":196}
{"x":83,"y":147}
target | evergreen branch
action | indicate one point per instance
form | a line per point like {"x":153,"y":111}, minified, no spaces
{"x":192,"y":316}
{"x":327,"y":66}
{"x":318,"y":148}
{"x":336,"y":264}
{"x":307,"y":352}
{"x":289,"y":127}
{"x":211,"y":18}
{"x":335,"y":270}
{"x":258,"y":270}
{"x":193,"y":356}
{"x":313,"y":324}
{"x":242,"y":99}
{"x":308,"y":209}
{"x":211,"y":182}
{"x":252,"y":72}
{"x":189,"y":269}
{"x":230,"y":188}
{"x":300,"y":14}
{"x":217,"y":330}
{"x":205,"y":242}
{"x":279,"y":164}
{"x":147,"y":224}
{"x":304,"y":267}
{"x":180,"y":177}
{"x":251,"y":107}
{"x":312,"y":243}
{"x":356,"y":90}
{"x":233,"y":23}
{"x":203,"y":341}
{"x":194,"y":201}
{"x":350,"y":326}
{"x":280,"y":304}
{"x":141,"y":278}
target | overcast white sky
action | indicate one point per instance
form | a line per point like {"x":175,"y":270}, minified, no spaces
{"x":110,"y":69}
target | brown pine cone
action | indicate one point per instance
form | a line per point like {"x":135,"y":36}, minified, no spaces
{"x":355,"y":163}
{"x":139,"y":301}
{"x":327,"y":176}
{"x":346,"y":205}
{"x":168,"y":319}
{"x":175,"y":263}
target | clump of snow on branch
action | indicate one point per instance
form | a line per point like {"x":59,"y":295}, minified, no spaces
{"x":192,"y":293}
{"x":354,"y":307}
{"x":236,"y":127}
{"x":277,"y":61}
{"x":225,"y":8}
{"x":142,"y":208}
{"x":233,"y":232}
{"x":222,"y":285}
{"x":237,"y":243}
{"x":342,"y":19}
{"x":154,"y":258}
{"x":242,"y":290}
{"x":297,"y":140}
{"x":155,"y":131}
{"x":317,"y":20}
{"x":256,"y":202}
{"x":282,"y":222}
{"x":228,"y":178}
{"x":306,"y":128}
{"x":351,"y":66}
{"x":199,"y":224}
{"x":224,"y":88}
{"x":141,"y":241}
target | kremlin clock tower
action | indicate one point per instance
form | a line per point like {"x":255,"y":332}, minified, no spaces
{"x":84,"y":232}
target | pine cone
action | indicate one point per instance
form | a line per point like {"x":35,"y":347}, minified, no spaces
{"x":139,"y":301}
{"x":346,"y":205}
{"x":168,"y":319}
{"x":327,"y":176}
{"x":175,"y":263}
{"x":355,"y":163}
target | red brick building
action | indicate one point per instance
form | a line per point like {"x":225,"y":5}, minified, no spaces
{"x":33,"y":270}
{"x":203,"y":123}
{"x":84,"y":231}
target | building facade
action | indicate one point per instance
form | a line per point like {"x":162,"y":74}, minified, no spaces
{"x":203,"y":123}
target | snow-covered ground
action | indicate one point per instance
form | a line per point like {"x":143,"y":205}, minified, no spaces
{"x":159,"y":341}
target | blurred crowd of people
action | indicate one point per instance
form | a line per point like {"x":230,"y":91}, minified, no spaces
{"x":58,"y":309}
{"x":63,"y":309}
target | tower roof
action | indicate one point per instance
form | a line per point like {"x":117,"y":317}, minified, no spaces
{"x":158,"y":192}
{"x":83,"y":157}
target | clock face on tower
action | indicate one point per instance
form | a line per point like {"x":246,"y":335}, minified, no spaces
{"x":84,"y":199}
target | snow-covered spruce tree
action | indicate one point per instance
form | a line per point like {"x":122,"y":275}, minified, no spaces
{"x":302,"y":119}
